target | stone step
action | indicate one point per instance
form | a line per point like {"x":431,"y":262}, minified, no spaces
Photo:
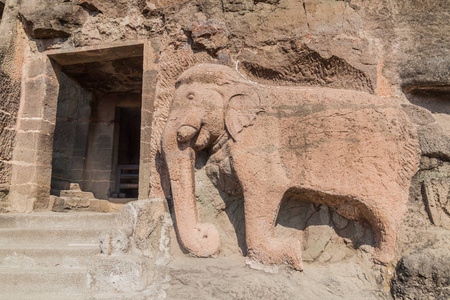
{"x":53,"y":220}
{"x":13,"y":237}
{"x":47,"y":296}
{"x":45,"y":255}
{"x":44,"y":280}
{"x":30,"y":257}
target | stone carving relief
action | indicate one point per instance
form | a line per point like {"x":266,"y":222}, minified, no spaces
{"x":350,"y":150}
{"x":437,"y":200}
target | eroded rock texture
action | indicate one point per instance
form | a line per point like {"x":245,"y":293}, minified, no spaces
{"x":10,"y":73}
{"x":389,"y":53}
{"x":424,"y":275}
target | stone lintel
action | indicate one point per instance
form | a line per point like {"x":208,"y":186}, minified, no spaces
{"x":99,"y":53}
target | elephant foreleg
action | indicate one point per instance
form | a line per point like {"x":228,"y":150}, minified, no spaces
{"x":261,"y":210}
{"x":384,"y":226}
{"x":264,"y":183}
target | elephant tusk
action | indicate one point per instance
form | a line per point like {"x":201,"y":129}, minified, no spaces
{"x":186,"y":133}
{"x":203,"y":139}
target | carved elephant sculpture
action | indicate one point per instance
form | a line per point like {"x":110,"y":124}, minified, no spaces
{"x":342,"y":148}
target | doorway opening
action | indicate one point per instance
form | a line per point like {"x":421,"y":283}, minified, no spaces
{"x":98,"y":122}
{"x":128,"y":121}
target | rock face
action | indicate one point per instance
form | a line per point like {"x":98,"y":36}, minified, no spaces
{"x":423,"y":67}
{"x":97,"y":59}
{"x":42,"y":23}
{"x":10,"y":75}
{"x":424,"y":274}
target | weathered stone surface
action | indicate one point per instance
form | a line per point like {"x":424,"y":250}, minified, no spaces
{"x":77,"y":200}
{"x":11,"y":62}
{"x":437,"y":199}
{"x":137,"y":220}
{"x":431,"y":116}
{"x":419,"y":115}
{"x":294,"y":63}
{"x":210,"y":36}
{"x":52,"y":256}
{"x":114,"y":9}
{"x":114,"y":242}
{"x":119,"y":274}
{"x":388,"y":48}
{"x":422,"y":66}
{"x":424,"y":274}
{"x":126,"y":260}
{"x":227,"y":278}
{"x":57,"y":22}
{"x":433,"y":142}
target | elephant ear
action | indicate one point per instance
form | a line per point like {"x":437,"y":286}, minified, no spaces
{"x":241,"y":111}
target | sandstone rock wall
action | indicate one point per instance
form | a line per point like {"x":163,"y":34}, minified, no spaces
{"x":420,"y":25}
{"x":341,"y":44}
{"x":393,"y":48}
{"x":10,"y":77}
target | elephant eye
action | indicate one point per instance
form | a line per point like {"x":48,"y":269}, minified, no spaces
{"x":190,"y":96}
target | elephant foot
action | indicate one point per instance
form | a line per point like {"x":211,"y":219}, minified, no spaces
{"x":208,"y":238}
{"x":385,"y":251}
{"x":202,"y":241}
{"x":278,"y":251}
{"x":382,"y":257}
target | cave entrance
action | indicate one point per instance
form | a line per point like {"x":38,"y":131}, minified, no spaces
{"x":79,"y":107}
{"x":97,"y":138}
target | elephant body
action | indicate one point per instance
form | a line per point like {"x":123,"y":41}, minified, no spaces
{"x":342,"y":148}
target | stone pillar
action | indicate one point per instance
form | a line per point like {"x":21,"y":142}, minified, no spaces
{"x":32,"y":155}
{"x":149,"y":79}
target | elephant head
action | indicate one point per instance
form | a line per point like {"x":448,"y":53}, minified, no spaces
{"x":211,"y":103}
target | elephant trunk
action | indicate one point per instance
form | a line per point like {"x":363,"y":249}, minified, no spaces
{"x":186,"y":133}
{"x":199,"y":239}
